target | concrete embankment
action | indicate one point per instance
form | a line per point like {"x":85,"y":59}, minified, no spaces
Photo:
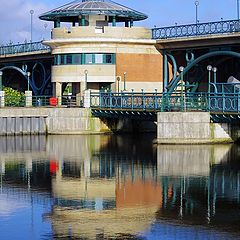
{"x":193,"y":128}
{"x":21,"y":121}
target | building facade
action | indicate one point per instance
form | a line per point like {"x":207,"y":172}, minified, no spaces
{"x":100,"y":49}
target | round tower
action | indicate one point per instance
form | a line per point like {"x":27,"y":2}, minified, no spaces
{"x":102,"y":49}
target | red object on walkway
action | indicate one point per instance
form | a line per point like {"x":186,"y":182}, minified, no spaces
{"x":53,"y":101}
{"x":53,"y":166}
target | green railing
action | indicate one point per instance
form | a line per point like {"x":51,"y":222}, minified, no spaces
{"x":23,"y":48}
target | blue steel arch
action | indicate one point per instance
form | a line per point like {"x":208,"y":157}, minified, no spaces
{"x":173,"y":84}
{"x":21,"y":71}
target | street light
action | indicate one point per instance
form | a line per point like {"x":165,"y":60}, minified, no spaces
{"x":124,"y":81}
{"x":86,"y":78}
{"x":181,"y":69}
{"x":196,"y":4}
{"x":28,"y":79}
{"x":238,"y":10}
{"x":215,"y":74}
{"x":209,"y":68}
{"x":31,"y":12}
{"x":1,"y":74}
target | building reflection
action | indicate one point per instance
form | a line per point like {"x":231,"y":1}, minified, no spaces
{"x":119,"y":187}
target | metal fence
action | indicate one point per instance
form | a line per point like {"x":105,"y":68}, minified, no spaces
{"x":221,"y":103}
{"x":41,"y":101}
{"x":23,"y":48}
{"x":199,"y":29}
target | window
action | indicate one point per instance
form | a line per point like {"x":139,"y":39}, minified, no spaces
{"x":77,"y":59}
{"x":98,"y":58}
{"x":62,"y":60}
{"x":69,"y":59}
{"x":88,"y":58}
{"x":109,"y":59}
{"x":84,"y":58}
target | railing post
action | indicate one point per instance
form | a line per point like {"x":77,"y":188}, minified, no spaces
{"x":143,"y":100}
{"x":110,"y":99}
{"x":132,"y":99}
{"x":155,"y":100}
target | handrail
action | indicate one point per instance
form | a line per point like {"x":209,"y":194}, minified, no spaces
{"x":11,"y":49}
{"x":199,"y":29}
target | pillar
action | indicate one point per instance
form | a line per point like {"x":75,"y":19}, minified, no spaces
{"x":2,"y":99}
{"x":83,"y":23}
{"x":57,"y":24}
{"x":87,"y":98}
{"x":57,"y":91}
{"x":114,"y":21}
{"x":28,"y":96}
{"x":131,"y":23}
{"x":190,"y":128}
{"x":165,"y":72}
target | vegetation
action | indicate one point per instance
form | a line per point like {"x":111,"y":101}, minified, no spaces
{"x":13,"y":97}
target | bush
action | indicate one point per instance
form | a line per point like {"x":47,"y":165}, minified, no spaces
{"x":13,"y":97}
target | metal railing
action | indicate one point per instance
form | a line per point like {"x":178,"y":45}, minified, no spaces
{"x":41,"y":101}
{"x":199,"y":29}
{"x":161,"y":102}
{"x":11,"y":49}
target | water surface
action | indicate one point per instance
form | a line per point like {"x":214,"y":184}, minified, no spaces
{"x":117,"y":187}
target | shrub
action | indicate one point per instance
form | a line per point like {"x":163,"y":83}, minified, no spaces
{"x":13,"y":97}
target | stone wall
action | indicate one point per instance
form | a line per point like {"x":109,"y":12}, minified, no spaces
{"x":191,"y":128}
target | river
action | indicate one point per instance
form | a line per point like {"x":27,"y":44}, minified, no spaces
{"x":117,"y":187}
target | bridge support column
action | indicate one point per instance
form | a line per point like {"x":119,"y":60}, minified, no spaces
{"x":57,"y":91}
{"x":87,"y":98}
{"x":2,"y":99}
{"x":28,"y":95}
{"x":191,"y":128}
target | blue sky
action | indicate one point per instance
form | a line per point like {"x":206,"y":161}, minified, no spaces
{"x":15,"y":16}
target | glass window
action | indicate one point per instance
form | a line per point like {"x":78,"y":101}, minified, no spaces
{"x":109,"y":58}
{"x":98,"y":58}
{"x":77,"y":59}
{"x":69,"y":59}
{"x":88,"y":58}
{"x":62,"y":59}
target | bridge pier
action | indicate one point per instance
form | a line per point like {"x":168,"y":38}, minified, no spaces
{"x":191,"y":128}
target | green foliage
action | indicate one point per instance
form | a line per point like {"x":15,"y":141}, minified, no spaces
{"x":13,"y":97}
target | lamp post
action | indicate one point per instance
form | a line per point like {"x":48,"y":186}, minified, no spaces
{"x":196,"y":5}
{"x":181,"y":69}
{"x":86,"y":78}
{"x":1,"y":74}
{"x":238,"y":10}
{"x":118,"y":80}
{"x":209,"y":68}
{"x":215,"y":75}
{"x":124,"y":81}
{"x":31,"y":12}
{"x":28,"y":79}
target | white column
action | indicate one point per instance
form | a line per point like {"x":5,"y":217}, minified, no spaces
{"x":28,"y":95}
{"x":2,"y":99}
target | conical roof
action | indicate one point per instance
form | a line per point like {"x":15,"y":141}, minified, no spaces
{"x":70,"y":11}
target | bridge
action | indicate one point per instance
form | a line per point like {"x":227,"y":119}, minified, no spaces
{"x":194,"y":75}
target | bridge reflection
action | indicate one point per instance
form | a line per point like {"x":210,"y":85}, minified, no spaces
{"x":112,"y":186}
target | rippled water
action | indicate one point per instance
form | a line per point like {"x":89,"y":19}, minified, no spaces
{"x":117,"y":187}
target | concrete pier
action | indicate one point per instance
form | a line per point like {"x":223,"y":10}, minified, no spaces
{"x":191,"y":128}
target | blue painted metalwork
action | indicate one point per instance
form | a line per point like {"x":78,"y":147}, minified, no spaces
{"x":37,"y":90}
{"x":122,"y":104}
{"x":175,"y":81}
{"x":200,"y":29}
{"x":23,"y":48}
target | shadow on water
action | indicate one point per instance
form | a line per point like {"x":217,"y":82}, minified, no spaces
{"x":118,"y":187}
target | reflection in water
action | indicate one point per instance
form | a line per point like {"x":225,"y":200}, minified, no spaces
{"x":101,"y":187}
